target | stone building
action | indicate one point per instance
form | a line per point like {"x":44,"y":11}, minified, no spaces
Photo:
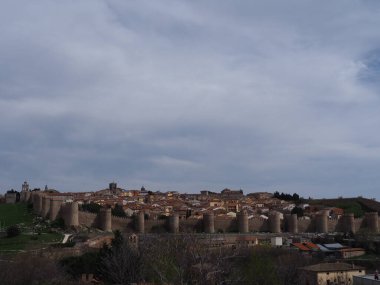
{"x":330,"y":274}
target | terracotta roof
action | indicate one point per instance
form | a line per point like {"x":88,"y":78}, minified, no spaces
{"x":306,"y":246}
{"x":300,"y":246}
{"x":311,"y":245}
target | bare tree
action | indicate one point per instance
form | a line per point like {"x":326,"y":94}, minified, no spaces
{"x":287,"y":264}
{"x":164,"y":259}
{"x":121,"y":264}
{"x":31,"y":269}
{"x":187,"y":259}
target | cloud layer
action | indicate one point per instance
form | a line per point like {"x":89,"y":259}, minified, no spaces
{"x":191,"y":95}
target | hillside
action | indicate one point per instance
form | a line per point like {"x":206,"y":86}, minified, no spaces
{"x":11,"y":214}
{"x":358,"y":205}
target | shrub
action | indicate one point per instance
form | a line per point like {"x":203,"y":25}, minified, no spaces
{"x":58,"y":223}
{"x":30,"y":207}
{"x":91,"y":207}
{"x":13,"y":231}
{"x":118,"y":211}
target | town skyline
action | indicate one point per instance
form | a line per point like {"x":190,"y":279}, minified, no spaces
{"x":145,"y":187}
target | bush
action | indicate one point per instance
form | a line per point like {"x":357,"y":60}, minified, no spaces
{"x":29,"y":207}
{"x":58,"y":223}
{"x":92,"y":207}
{"x":32,"y":269}
{"x":297,"y":210}
{"x":13,"y":231}
{"x":118,"y":211}
{"x":76,"y":265}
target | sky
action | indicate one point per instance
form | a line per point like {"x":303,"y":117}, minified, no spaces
{"x":191,"y":95}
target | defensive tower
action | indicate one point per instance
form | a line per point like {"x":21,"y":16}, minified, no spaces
{"x":105,"y":219}
{"x":349,"y":223}
{"x":292,"y":223}
{"x":321,"y":221}
{"x":275,"y":222}
{"x":243,"y":222}
{"x":141,"y":222}
{"x":55,"y":207}
{"x":208,"y":223}
{"x":174,"y":223}
{"x":45,"y":206}
{"x":372,"y":220}
{"x":71,"y":215}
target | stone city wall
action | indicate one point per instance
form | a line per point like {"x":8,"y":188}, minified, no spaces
{"x":53,"y":207}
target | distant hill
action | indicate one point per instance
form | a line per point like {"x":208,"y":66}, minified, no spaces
{"x":358,"y":205}
{"x":370,"y":204}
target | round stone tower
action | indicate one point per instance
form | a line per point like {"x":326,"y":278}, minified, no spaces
{"x":40,"y":198}
{"x":35,"y":202}
{"x":275,"y":222}
{"x":28,"y":197}
{"x":55,"y":207}
{"x":243,"y":225}
{"x":208,"y":223}
{"x":174,"y":223}
{"x":292,"y":223}
{"x":372,"y":220}
{"x":22,"y":196}
{"x":71,"y":214}
{"x":141,"y":222}
{"x":38,"y":203}
{"x":321,"y":222}
{"x":105,"y":219}
{"x":45,"y":206}
{"x":349,"y":223}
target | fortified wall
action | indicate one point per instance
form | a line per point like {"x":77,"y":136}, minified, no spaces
{"x":53,"y":207}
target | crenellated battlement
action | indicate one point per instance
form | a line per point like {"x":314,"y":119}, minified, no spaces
{"x":89,"y":213}
{"x":258,"y":219}
{"x":120,"y":218}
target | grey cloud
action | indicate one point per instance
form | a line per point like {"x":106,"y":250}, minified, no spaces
{"x":191,"y":95}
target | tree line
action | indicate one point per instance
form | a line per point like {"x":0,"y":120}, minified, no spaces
{"x":162,"y":259}
{"x":286,"y":196}
{"x":187,"y":259}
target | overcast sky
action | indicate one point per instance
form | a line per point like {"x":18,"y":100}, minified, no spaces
{"x":191,"y":95}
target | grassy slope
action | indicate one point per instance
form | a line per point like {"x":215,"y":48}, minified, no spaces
{"x":358,"y":206}
{"x":24,"y":241}
{"x":11,"y":214}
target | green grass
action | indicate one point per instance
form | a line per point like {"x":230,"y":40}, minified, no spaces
{"x":354,"y":208}
{"x":12,"y":214}
{"x":349,"y":205}
{"x":25,"y":242}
